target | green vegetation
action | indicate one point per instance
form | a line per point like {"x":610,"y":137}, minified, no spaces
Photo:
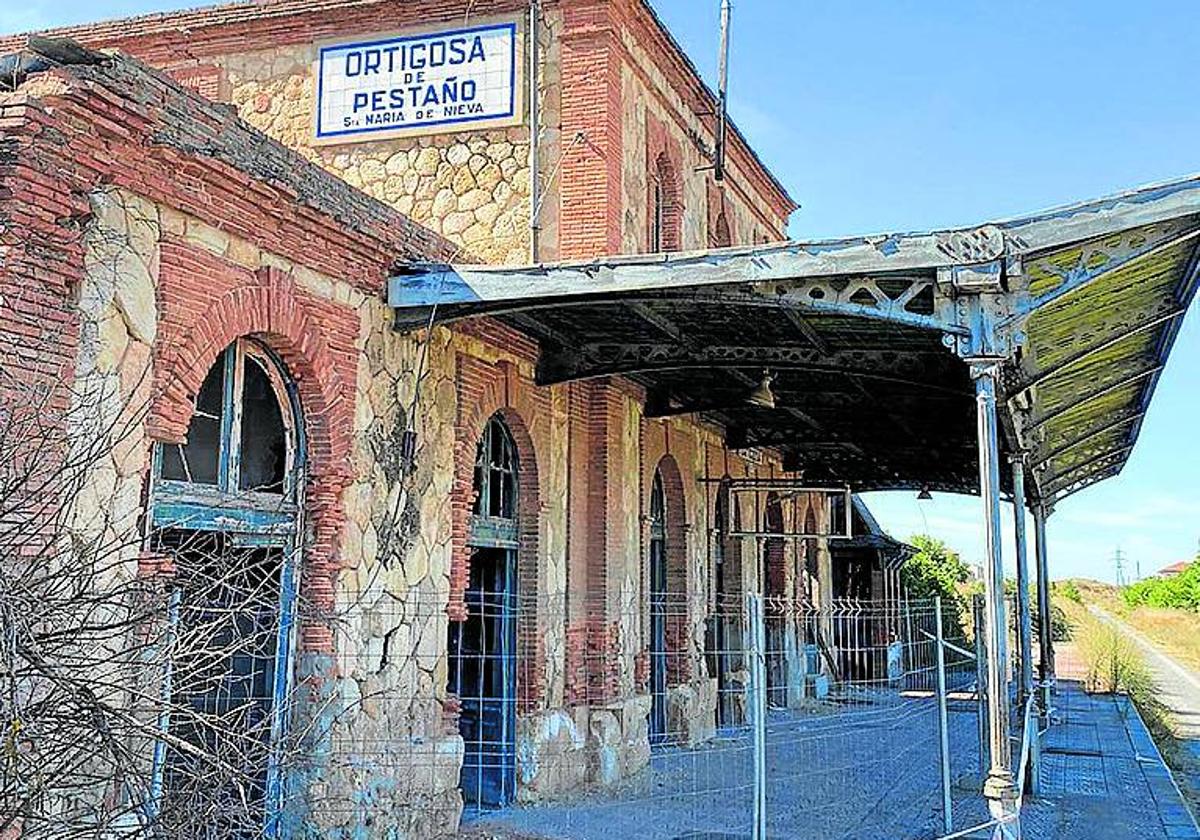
{"x":1115,"y":665}
{"x":1068,"y":589}
{"x":1181,"y":592}
{"x":1176,"y":631}
{"x":1060,"y":628}
{"x":938,"y":570}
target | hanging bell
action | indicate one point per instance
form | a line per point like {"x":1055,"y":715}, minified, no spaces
{"x":762,"y":396}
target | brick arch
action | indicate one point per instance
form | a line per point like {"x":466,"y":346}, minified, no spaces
{"x":272,"y":312}
{"x":500,"y":396}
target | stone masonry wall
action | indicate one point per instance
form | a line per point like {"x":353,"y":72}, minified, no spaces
{"x":113,"y":375}
{"x":471,"y":187}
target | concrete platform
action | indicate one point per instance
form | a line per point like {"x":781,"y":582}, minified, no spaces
{"x":869,"y":772}
{"x":1102,"y":778}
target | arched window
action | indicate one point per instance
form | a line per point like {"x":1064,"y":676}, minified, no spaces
{"x":724,"y":626}
{"x":242,"y":438}
{"x":657,"y":214}
{"x":808,"y":570}
{"x":721,"y":235}
{"x":482,"y":648}
{"x":225,"y":509}
{"x":658,"y":509}
{"x":494,"y":513}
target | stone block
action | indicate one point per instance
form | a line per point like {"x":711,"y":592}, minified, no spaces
{"x":473,"y":199}
{"x":463,"y":181}
{"x":133,"y":293}
{"x":427,"y":161}
{"x":551,"y":757}
{"x":207,"y":236}
{"x":691,"y":711}
{"x":444,"y":202}
{"x":457,"y":222}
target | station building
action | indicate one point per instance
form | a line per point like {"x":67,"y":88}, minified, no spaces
{"x":436,"y":363}
{"x":194,"y":266}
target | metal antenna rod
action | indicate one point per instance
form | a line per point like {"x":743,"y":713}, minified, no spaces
{"x":535,"y":130}
{"x":722,"y":92}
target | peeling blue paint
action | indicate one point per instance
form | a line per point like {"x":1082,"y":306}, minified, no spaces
{"x":429,"y":286}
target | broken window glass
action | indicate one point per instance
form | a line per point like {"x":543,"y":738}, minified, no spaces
{"x":198,"y":461}
{"x":263,"y":438}
{"x":496,"y":472}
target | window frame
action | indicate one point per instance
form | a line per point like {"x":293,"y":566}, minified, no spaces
{"x":250,"y":519}
{"x":489,"y":529}
{"x":268,"y":518}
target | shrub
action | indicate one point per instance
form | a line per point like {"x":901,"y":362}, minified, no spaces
{"x":1181,"y":592}
{"x":1060,"y":627}
{"x":1069,"y":590}
{"x":937,"y":569}
{"x":1115,"y":665}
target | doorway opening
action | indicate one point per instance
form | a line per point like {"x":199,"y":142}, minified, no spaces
{"x":724,"y":631}
{"x":658,"y":611}
{"x":483,"y":646}
{"x":226,"y":509}
{"x":775,"y":609}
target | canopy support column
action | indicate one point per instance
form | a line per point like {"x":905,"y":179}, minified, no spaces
{"x":1025,"y":621}
{"x":999,"y":787}
{"x":1045,"y":625}
{"x":1025,"y":628}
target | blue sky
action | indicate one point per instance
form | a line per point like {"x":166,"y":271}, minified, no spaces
{"x":882,"y":115}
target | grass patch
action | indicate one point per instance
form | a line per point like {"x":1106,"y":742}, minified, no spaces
{"x":1175,"y":631}
{"x":1116,"y":665}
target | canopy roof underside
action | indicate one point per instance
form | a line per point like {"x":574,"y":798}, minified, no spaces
{"x":866,"y":338}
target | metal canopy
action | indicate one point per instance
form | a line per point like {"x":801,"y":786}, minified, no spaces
{"x":868,"y":338}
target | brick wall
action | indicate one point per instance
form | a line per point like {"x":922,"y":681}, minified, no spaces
{"x":77,"y":129}
{"x":608,"y":68}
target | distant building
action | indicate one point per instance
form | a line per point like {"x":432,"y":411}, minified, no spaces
{"x":1174,"y":569}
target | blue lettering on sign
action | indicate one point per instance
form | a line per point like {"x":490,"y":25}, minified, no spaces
{"x":452,"y":52}
{"x":450,"y":91}
{"x":412,"y":85}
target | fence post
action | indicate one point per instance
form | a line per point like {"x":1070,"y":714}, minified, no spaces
{"x":758,"y":708}
{"x":943,"y":717}
{"x":910,"y":667}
